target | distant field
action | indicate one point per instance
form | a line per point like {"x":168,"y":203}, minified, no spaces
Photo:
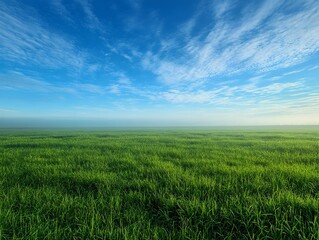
{"x":160,"y":184}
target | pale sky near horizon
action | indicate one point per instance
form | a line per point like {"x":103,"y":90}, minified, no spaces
{"x":177,"y":62}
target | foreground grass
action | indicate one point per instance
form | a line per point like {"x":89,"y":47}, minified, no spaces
{"x":156,"y":184}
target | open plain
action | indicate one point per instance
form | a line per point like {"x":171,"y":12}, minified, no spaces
{"x":252,"y":183}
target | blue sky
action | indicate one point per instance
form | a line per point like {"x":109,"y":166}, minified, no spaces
{"x":176,"y":62}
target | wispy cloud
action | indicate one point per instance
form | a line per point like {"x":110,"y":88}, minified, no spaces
{"x":313,"y":68}
{"x":18,"y":81}
{"x":220,"y":8}
{"x":274,"y":88}
{"x":87,"y":87}
{"x":5,"y":110}
{"x":123,"y":85}
{"x":93,"y":21}
{"x":263,"y":40}
{"x":23,"y":40}
{"x":233,"y":95}
{"x":60,"y":8}
{"x":135,"y":4}
{"x":294,"y":72}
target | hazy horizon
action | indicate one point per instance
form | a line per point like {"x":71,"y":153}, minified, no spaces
{"x":119,"y":123}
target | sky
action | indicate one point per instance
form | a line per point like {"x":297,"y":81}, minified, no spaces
{"x":159,"y":63}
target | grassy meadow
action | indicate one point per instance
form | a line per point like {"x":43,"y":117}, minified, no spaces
{"x":253,"y":183}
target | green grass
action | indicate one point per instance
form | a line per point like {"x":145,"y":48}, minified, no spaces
{"x":159,"y":184}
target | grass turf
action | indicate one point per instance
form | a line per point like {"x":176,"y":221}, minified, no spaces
{"x":159,"y":184}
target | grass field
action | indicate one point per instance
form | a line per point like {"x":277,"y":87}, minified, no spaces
{"x":159,"y":184}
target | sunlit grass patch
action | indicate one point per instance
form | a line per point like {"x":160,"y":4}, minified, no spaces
{"x":156,"y":184}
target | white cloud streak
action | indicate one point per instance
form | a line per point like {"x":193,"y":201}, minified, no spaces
{"x":220,"y":95}
{"x":23,"y":40}
{"x":93,"y":21}
{"x":19,"y":81}
{"x":264,"y":40}
{"x":59,"y":6}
